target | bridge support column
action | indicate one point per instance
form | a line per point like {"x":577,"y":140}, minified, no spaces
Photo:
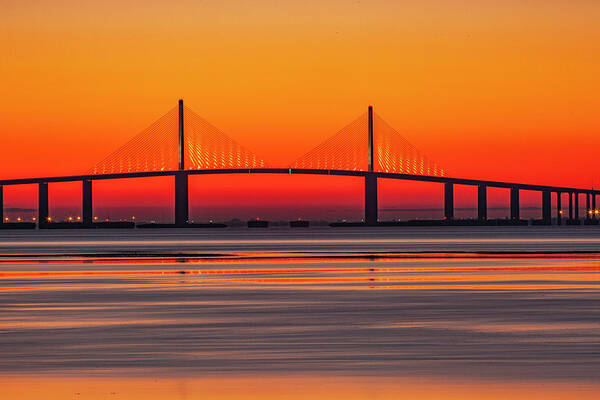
{"x":594,"y":215}
{"x":515,"y":209}
{"x":43,"y":209}
{"x":86,"y":205}
{"x":546,"y":207}
{"x":576,"y":195}
{"x":588,"y":206}
{"x":482,"y":202}
{"x":449,"y":201}
{"x":1,"y":204}
{"x":570,"y":207}
{"x":370,"y":199}
{"x":558,"y":208}
{"x":181,"y":199}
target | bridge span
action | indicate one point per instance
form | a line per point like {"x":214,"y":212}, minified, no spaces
{"x":370,"y":181}
{"x":201,"y":149}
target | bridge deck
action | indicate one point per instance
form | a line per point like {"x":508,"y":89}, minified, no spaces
{"x":384,"y":175}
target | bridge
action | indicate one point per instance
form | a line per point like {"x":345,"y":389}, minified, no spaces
{"x":181,"y":143}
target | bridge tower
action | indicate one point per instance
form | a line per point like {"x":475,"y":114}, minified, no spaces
{"x":181,"y":178}
{"x":371,"y":180}
{"x":371,"y":169}
{"x":181,"y":138}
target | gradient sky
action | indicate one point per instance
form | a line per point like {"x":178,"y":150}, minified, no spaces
{"x":496,"y":91}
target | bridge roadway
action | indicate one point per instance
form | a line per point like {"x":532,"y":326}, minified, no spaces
{"x":181,"y":190}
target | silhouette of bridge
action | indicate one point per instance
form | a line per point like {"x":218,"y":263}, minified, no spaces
{"x":181,"y":143}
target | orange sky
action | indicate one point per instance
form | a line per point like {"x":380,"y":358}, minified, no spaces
{"x":496,"y":91}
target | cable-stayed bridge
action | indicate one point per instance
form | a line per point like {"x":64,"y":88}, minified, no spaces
{"x":181,"y":143}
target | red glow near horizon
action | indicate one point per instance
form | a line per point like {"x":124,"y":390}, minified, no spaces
{"x":490,"y":91}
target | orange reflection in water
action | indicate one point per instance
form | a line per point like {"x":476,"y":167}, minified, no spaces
{"x":428,"y":270}
{"x":289,"y":388}
{"x":557,"y":275}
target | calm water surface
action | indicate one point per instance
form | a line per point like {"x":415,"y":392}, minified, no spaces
{"x":239,"y":314}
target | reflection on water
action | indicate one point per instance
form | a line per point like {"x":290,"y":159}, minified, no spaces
{"x":345,"y":325}
{"x":565,"y":239}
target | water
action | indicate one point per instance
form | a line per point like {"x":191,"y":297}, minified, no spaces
{"x":528,"y":239}
{"x":318,"y":313}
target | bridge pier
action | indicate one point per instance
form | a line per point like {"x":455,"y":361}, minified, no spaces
{"x":571,"y":207}
{"x":515,"y":210}
{"x":546,"y":207}
{"x":370,"y":199}
{"x":482,"y":202}
{"x":576,"y":195}
{"x":449,"y":201}
{"x":43,"y":209}
{"x":181,"y":199}
{"x":86,"y":205}
{"x":594,"y":215}
{"x":558,"y":208}
{"x":1,"y":204}
{"x":588,"y":206}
